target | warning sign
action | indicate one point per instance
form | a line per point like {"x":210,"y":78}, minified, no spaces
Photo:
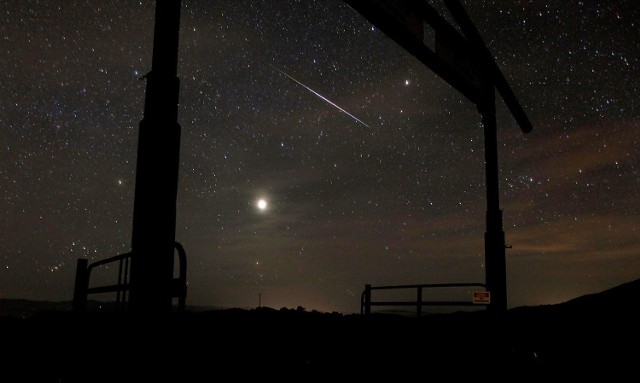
{"x":481,"y":297}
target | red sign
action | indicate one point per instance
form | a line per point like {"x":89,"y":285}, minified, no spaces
{"x":481,"y":297}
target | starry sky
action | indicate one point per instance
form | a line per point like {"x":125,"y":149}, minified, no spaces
{"x":386,"y":186}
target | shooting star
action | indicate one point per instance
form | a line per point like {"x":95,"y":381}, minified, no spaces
{"x":321,"y":96}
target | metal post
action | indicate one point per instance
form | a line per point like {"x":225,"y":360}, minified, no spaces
{"x":495,"y":262}
{"x":81,"y":286}
{"x":154,"y":211}
{"x":367,"y":299}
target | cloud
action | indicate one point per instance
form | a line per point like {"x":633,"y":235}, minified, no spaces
{"x":580,"y":239}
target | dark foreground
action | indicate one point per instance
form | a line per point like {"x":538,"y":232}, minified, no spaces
{"x":539,"y":344}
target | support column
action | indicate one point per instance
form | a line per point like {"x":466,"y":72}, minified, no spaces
{"x":494,"y":243}
{"x":81,"y":286}
{"x":154,"y":211}
{"x":367,"y":300}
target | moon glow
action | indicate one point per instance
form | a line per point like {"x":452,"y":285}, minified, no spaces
{"x":262,"y":204}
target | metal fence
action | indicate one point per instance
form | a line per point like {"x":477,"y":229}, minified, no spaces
{"x":366,"y":301}
{"x":122,"y":286}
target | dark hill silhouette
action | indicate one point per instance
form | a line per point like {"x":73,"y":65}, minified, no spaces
{"x":24,"y":308}
{"x":620,"y":299}
{"x":588,"y":337}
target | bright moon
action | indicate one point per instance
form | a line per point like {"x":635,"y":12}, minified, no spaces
{"x":262,"y":204}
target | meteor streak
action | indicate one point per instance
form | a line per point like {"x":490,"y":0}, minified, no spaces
{"x":322,"y":97}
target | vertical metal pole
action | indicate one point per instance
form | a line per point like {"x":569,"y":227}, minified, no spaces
{"x":494,"y":247}
{"x":81,"y":286}
{"x":126,"y":282}
{"x":367,"y":299}
{"x":154,"y":211}
{"x":120,"y":289}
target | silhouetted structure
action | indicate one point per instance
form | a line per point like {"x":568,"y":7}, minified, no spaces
{"x":466,"y":64}
{"x":462,"y":60}
{"x":154,"y":211}
{"x":146,"y":273}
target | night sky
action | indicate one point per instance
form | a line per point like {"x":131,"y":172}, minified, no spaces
{"x":384,"y":187}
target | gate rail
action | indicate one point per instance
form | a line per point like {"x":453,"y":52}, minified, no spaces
{"x":83,"y":275}
{"x":366,"y":302}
